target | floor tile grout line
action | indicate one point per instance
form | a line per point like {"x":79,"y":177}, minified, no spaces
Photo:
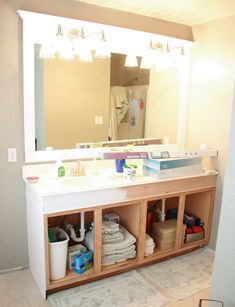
{"x":156,"y":286}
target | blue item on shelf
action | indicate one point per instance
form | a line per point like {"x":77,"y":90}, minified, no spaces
{"x":83,"y":262}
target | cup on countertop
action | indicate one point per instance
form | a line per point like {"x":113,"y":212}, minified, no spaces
{"x":129,"y":171}
{"x":119,"y":165}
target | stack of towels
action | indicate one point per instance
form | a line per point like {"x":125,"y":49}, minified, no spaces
{"x":117,"y":243}
{"x":149,"y":245}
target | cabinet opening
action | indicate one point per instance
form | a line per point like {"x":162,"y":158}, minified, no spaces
{"x":161,"y":225}
{"x":120,"y":235}
{"x":196,"y":216}
{"x":70,"y":247}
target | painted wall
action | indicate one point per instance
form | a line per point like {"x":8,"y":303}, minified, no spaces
{"x":210,"y":103}
{"x":223,"y":278}
{"x":209,"y":122}
{"x":13,"y":242}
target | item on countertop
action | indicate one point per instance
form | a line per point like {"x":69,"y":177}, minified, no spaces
{"x":129,"y":171}
{"x":119,"y":165}
{"x":32,"y":179}
{"x":60,"y":169}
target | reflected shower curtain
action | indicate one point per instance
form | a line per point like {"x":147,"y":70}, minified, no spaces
{"x":117,"y":110}
{"x":132,"y":99}
{"x":137,"y":96}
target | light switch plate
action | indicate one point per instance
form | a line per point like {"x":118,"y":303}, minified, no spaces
{"x":98,"y":120}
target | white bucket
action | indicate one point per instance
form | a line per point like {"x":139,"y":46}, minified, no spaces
{"x":58,"y":255}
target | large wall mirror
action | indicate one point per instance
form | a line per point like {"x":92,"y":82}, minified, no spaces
{"x":68,"y":103}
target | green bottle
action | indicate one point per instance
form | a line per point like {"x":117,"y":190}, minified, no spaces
{"x":61,"y":170}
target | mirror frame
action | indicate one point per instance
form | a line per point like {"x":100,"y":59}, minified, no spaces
{"x":33,"y":33}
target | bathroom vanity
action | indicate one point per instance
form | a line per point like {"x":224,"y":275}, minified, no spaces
{"x":51,"y":199}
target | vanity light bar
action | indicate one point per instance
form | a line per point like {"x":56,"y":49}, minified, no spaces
{"x":113,"y":155}
{"x":159,"y":154}
{"x":183,"y":153}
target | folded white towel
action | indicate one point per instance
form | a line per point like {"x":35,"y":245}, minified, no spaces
{"x":109,"y":227}
{"x":119,"y":251}
{"x":111,"y":259}
{"x":122,"y":251}
{"x":149,"y":245}
{"x":129,"y":239}
{"x":112,"y":237}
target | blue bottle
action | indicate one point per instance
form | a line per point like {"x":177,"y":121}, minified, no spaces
{"x":119,"y":165}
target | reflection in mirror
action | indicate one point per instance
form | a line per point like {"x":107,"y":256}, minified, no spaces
{"x":83,"y":108}
{"x":79,"y":102}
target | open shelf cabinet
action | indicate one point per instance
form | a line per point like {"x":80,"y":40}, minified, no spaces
{"x":129,"y":218}
{"x":60,"y":220}
{"x":133,"y":206}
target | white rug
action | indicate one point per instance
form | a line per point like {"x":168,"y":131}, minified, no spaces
{"x":128,"y":289}
{"x":182,"y":276}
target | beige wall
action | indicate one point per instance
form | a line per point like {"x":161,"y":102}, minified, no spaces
{"x":163,"y":104}
{"x":210,"y":102}
{"x":13,"y":238}
{"x":74,"y":94}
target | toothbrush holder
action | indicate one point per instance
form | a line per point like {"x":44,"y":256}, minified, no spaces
{"x":119,"y":165}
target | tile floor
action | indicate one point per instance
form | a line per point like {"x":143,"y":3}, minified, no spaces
{"x":18,"y":289}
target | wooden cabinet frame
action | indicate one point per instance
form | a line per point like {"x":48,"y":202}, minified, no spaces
{"x":197,"y":192}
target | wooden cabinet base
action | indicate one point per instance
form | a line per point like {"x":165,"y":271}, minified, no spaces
{"x":194,"y":195}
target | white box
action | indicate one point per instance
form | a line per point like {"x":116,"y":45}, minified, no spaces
{"x":73,"y":251}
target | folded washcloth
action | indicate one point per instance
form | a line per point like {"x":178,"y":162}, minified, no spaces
{"x":129,"y":239}
{"x":149,"y":245}
{"x":111,"y":259}
{"x":122,"y":251}
{"x":109,"y":227}
{"x":112,"y":237}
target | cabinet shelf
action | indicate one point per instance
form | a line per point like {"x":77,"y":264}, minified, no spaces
{"x":71,"y":276}
{"x":119,"y":265}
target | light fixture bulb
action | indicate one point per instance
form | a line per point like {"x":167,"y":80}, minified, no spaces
{"x":131,"y":61}
{"x":62,"y":46}
{"x":102,"y":49}
{"x":81,"y":47}
{"x":46,"y":51}
{"x":150,"y":56}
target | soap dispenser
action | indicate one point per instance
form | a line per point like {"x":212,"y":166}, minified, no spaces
{"x":60,"y":169}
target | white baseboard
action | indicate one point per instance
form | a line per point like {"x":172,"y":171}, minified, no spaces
{"x":14,"y":269}
{"x":210,"y":250}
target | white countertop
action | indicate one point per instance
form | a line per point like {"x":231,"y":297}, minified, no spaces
{"x":50,"y":185}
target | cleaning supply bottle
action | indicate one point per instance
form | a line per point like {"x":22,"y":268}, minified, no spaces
{"x":60,"y":169}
